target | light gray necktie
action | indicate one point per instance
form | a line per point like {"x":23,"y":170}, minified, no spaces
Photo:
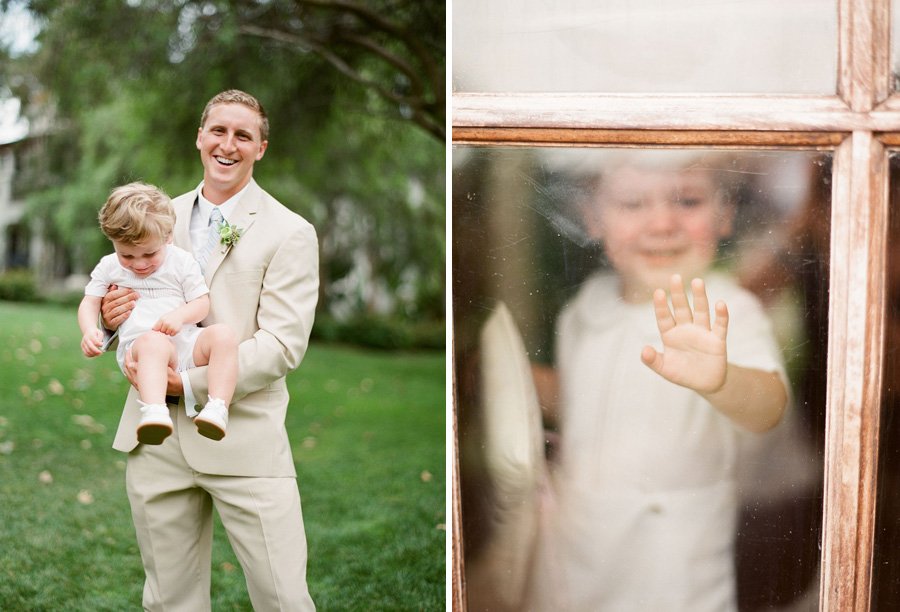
{"x":212,"y":239}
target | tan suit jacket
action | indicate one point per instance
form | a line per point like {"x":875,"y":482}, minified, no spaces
{"x":265,"y":289}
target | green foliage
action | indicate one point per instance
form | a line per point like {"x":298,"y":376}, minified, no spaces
{"x":368,"y":436}
{"x":379,"y":332}
{"x":350,"y":147}
{"x":18,"y":286}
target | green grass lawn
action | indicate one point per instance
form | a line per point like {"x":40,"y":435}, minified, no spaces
{"x":368,"y":434}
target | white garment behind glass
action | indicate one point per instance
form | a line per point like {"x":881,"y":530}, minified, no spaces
{"x":646,"y":491}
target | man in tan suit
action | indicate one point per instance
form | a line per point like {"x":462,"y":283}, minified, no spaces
{"x":264,"y":286}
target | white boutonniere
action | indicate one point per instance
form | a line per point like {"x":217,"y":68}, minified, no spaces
{"x":229,"y":234}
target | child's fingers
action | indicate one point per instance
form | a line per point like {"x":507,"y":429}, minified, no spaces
{"x":652,"y":358}
{"x":720,"y":327}
{"x":664,"y":320}
{"x":701,"y":303}
{"x":680,"y":307}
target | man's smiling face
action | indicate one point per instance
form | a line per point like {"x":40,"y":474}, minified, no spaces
{"x":229,"y":144}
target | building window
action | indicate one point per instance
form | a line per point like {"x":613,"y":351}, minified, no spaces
{"x":801,"y":128}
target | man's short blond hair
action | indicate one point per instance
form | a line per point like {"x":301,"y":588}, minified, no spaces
{"x":236,"y":96}
{"x":137,"y":213}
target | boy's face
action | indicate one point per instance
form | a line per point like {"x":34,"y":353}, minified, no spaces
{"x":655,"y":223}
{"x":143,"y":259}
{"x":229,"y":144}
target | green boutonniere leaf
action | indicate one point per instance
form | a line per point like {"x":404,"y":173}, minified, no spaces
{"x":229,"y":234}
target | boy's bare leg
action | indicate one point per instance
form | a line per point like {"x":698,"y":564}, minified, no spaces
{"x":216,"y":347}
{"x":153,"y":354}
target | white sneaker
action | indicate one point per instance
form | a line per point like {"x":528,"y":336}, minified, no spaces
{"x":213,"y":419}
{"x":155,"y":425}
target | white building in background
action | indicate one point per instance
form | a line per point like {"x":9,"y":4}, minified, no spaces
{"x":15,"y":243}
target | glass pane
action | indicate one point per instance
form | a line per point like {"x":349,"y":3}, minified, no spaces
{"x":588,"y":480}
{"x":622,"y":46}
{"x":895,"y":45}
{"x":886,"y":564}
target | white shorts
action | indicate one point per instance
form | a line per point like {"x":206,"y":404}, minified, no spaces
{"x":184,"y":342}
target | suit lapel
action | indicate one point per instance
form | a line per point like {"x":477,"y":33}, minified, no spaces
{"x":243,"y":217}
{"x":184,"y":208}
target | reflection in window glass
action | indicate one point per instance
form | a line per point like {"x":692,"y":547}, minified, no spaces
{"x":589,"y":480}
{"x":886,"y":564}
{"x":621,"y":46}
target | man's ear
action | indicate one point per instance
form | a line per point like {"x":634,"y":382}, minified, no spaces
{"x":262,"y":149}
{"x":199,"y":134}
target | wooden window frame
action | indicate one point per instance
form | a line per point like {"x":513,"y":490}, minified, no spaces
{"x":860,"y":125}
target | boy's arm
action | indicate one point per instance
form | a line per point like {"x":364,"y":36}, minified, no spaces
{"x":751,"y":398}
{"x":694,"y":356}
{"x":192,"y":312}
{"x":92,"y":337}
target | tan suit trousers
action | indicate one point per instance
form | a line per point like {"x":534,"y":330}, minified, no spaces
{"x":172,"y":511}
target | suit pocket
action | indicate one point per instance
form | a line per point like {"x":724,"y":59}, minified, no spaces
{"x":248,"y":281}
{"x":245,"y":277}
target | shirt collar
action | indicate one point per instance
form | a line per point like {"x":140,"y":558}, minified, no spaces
{"x":226,"y":208}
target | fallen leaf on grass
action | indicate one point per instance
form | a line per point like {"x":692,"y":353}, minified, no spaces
{"x":35,"y":346}
{"x":441,"y":526}
{"x":55,"y":387}
{"x":88,"y":422}
{"x":425,"y":476}
{"x":228,"y":567}
{"x":309,"y":443}
{"x":45,"y":477}
{"x":85,"y":497}
{"x":6,"y":448}
{"x":85,"y":445}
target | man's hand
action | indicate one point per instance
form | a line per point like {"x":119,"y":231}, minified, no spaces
{"x":693,"y":350}
{"x":116,"y":306}
{"x":173,"y":381}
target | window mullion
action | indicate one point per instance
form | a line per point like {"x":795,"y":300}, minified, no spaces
{"x":859,"y":214}
{"x":863,"y":50}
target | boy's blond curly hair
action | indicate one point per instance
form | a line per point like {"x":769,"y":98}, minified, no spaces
{"x":137,"y":213}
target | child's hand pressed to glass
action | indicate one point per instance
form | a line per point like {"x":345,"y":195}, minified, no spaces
{"x":694,"y":356}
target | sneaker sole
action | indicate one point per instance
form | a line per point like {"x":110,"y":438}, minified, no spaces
{"x":153,"y":433}
{"x":208,"y":429}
